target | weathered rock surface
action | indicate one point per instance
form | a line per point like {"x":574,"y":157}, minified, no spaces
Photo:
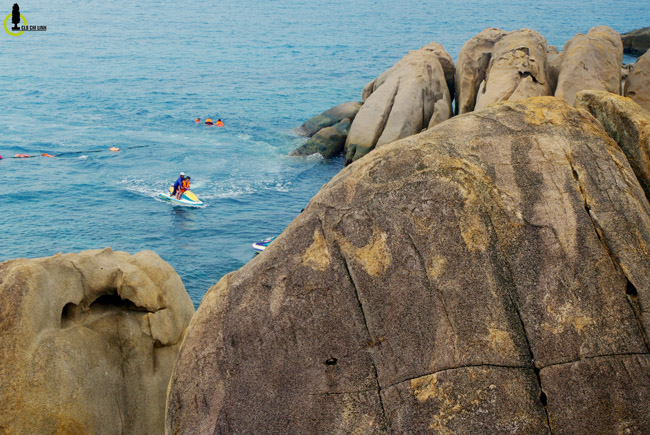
{"x":473,"y":62}
{"x":88,"y":342}
{"x":490,"y":275}
{"x":637,"y":83}
{"x":328,"y":142}
{"x":408,"y":97}
{"x":592,"y":61}
{"x":637,"y":41}
{"x":517,"y":69}
{"x":554,"y":61}
{"x":626,"y":123}
{"x":330,"y":117}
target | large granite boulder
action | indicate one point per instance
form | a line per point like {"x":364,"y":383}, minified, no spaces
{"x":472,"y":65}
{"x":592,"y":61}
{"x":637,"y":41}
{"x":637,"y":82}
{"x":490,"y":275}
{"x":626,"y":123}
{"x":517,"y":69}
{"x":88,"y":342}
{"x":412,"y":95}
{"x":328,"y":142}
{"x":329,"y":118}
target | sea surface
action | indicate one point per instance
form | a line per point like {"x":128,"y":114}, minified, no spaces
{"x":135,"y":75}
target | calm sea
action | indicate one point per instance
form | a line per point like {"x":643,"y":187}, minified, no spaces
{"x":134,"y":75}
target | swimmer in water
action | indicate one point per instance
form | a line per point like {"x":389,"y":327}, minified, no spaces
{"x":197,"y":120}
{"x":219,"y":123}
{"x":208,"y":121}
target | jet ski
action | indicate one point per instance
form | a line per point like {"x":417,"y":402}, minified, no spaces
{"x":188,"y":199}
{"x":261,"y":245}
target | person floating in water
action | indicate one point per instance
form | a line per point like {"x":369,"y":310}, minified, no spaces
{"x":208,"y":121}
{"x":219,"y":123}
{"x":197,"y":120}
{"x":178,"y":184}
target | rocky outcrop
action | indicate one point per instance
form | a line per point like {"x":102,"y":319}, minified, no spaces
{"x":626,"y":123}
{"x":490,"y":275}
{"x":592,"y":61}
{"x":329,"y":118}
{"x":637,"y":41}
{"x":410,"y":96}
{"x":328,"y":142}
{"x":473,"y":62}
{"x":637,"y":83}
{"x":517,"y":69}
{"x":88,"y":342}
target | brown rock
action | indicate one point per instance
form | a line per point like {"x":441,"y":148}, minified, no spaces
{"x":329,"y":117}
{"x":426,"y":286}
{"x":88,"y":342}
{"x":517,"y":69}
{"x":473,"y":62}
{"x":637,"y":83}
{"x":626,"y":123}
{"x":592,"y":61}
{"x":328,"y":142}
{"x":637,"y":41}
{"x":410,"y":96}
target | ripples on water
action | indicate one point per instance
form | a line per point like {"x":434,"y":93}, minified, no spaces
{"x":135,"y":74}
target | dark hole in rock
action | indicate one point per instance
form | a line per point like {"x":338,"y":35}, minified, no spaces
{"x":523,"y":74}
{"x":631,"y":93}
{"x":630,"y":290}
{"x":587,"y":208}
{"x":543,"y":398}
{"x":112,"y":301}
{"x":331,"y":362}
{"x":575,"y":174}
{"x":69,"y":313}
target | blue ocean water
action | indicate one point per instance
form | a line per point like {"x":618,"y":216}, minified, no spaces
{"x":134,"y":75}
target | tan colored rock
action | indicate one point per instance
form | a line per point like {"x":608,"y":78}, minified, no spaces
{"x":465,"y":280}
{"x":88,"y":342}
{"x":592,"y":61}
{"x":329,"y":118}
{"x":637,"y":41}
{"x":554,"y":60}
{"x":637,"y":83}
{"x":410,"y":96}
{"x":625,"y":122}
{"x":473,"y":62}
{"x":517,"y":69}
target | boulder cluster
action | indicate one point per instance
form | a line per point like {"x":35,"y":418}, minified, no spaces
{"x":417,"y":92}
{"x":486,"y":272}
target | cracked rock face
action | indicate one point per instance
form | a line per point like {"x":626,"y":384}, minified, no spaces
{"x":517,"y":69}
{"x":490,"y":275}
{"x":88,"y":342}
{"x":473,"y":62}
{"x":637,"y":83}
{"x":592,"y":61}
{"x":412,"y":95}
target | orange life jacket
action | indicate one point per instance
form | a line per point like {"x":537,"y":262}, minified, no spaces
{"x":186,"y":185}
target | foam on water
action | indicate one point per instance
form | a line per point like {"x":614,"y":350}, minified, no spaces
{"x":135,"y":75}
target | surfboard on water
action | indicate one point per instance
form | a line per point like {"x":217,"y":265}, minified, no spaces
{"x":188,"y":199}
